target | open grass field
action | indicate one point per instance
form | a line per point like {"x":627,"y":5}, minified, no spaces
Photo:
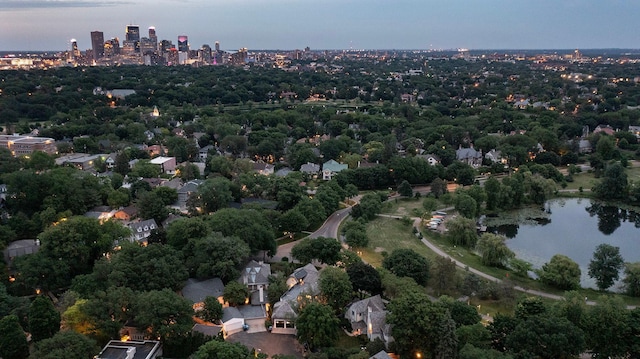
{"x":387,"y":234}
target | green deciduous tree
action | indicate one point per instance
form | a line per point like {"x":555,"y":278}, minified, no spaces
{"x":211,"y":311}
{"x":607,"y":328}
{"x":494,"y":251}
{"x":404,"y":189}
{"x":325,"y":250}
{"x":67,"y":345}
{"x":44,"y":319}
{"x":417,"y":324}
{"x":164,"y":313}
{"x":181,"y":231}
{"x":215,"y":256}
{"x":250,"y":225}
{"x":364,"y":278}
{"x":13,"y":341}
{"x":235,"y":293}
{"x":216,"y":349}
{"x":462,"y":232}
{"x":561,"y":272}
{"x":335,"y":287}
{"x":317,"y":325}
{"x":546,"y":336}
{"x":631,"y":279}
{"x":606,"y":265}
{"x":614,"y":183}
{"x":407,"y":263}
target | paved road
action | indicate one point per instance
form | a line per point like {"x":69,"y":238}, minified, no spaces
{"x":328,"y":229}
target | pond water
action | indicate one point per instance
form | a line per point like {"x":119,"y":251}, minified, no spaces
{"x":573,"y":227}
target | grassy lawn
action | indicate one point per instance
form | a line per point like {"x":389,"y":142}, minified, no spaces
{"x":584,"y":179}
{"x":387,"y":234}
{"x":347,"y":342}
{"x":411,"y":207}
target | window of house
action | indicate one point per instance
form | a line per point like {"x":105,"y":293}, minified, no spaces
{"x":279,"y":323}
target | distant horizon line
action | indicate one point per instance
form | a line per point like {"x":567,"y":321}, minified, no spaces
{"x":394,"y":49}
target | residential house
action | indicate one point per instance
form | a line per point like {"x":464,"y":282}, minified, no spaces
{"x":127,"y":213}
{"x":606,"y":129}
{"x":263,"y":168}
{"x":232,"y":321}
{"x":469,"y":156}
{"x":203,"y":153}
{"x":303,"y":285}
{"x":197,"y":290}
{"x":129,"y":349}
{"x":495,"y":156}
{"x":110,"y":161}
{"x":81,"y":161}
{"x":3,"y":193}
{"x":256,"y":275}
{"x":166,"y":164}
{"x":20,"y":248}
{"x":381,"y":355}
{"x":142,"y":230}
{"x":368,"y":316}
{"x":330,"y":168}
{"x":430,"y":158}
{"x":635,"y":130}
{"x":208,"y":330}
{"x":101,"y":213}
{"x":283,"y":172}
{"x":185,"y":191}
{"x":310,"y":168}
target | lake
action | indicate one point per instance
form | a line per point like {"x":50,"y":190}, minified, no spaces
{"x":573,"y":227}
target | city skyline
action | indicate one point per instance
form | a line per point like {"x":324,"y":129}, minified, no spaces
{"x":39,"y":25}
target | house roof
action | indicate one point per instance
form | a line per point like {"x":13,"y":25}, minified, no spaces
{"x":20,"y":248}
{"x":208,"y":330}
{"x":309,"y":284}
{"x":381,"y":355}
{"x":465,"y":153}
{"x":160,"y":160}
{"x":190,"y":186}
{"x":283,"y":172}
{"x":229,"y":313}
{"x":283,"y":310}
{"x":333,"y":166}
{"x":378,"y":321}
{"x":117,"y":349}
{"x":310,"y":168}
{"x":255,"y":273}
{"x":197,"y":290}
{"x":143,"y":226}
{"x":361,"y":306}
{"x":252,"y":311}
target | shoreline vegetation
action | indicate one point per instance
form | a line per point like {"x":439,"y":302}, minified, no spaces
{"x":382,"y":230}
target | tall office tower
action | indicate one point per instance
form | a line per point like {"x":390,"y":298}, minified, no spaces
{"x":132,"y":38}
{"x":75,"y":53}
{"x":183,"y":43}
{"x":205,"y":54}
{"x":217,"y":46}
{"x":97,"y":44}
{"x":153,"y":37}
{"x":165,"y":45}
{"x":112,"y":47}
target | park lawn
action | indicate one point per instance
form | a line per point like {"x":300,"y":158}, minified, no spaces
{"x":633,"y":174}
{"x":387,"y":234}
{"x":585,"y":180}
{"x":410,"y":207}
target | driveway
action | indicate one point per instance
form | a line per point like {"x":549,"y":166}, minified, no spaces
{"x":268,"y":343}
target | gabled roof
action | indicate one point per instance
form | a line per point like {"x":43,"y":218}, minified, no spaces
{"x":310,"y":168}
{"x":284,"y":310}
{"x":465,"y":153}
{"x":361,"y":306}
{"x":197,"y":290}
{"x":190,"y":186}
{"x":229,"y":313}
{"x":333,"y":166}
{"x":255,"y":273}
{"x":143,"y":226}
{"x":381,"y":355}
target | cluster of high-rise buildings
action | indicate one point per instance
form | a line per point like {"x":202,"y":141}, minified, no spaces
{"x":138,"y":49}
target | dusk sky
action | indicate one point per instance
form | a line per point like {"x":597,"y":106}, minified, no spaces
{"x":328,"y":24}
